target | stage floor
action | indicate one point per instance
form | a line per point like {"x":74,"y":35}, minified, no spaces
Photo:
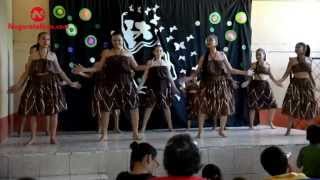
{"x":81,"y":153}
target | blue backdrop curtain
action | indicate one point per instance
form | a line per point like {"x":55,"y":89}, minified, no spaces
{"x":179,"y":25}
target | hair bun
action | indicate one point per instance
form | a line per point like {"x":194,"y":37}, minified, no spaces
{"x":134,"y":145}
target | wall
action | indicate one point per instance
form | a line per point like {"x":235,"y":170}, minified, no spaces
{"x":278,"y":25}
{"x":22,"y":40}
{"x":5,"y":58}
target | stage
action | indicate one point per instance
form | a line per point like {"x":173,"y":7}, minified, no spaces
{"x":80,"y":156}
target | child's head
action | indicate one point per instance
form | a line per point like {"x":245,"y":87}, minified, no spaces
{"x":313,"y":134}
{"x":239,"y":178}
{"x":33,"y":48}
{"x":145,"y":154}
{"x":274,"y":161}
{"x":157,"y":51}
{"x":211,"y":172}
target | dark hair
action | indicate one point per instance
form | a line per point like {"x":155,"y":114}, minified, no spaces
{"x":313,"y":134}
{"x":306,"y":48}
{"x":155,"y":47}
{"x":263,"y":51}
{"x":38,"y":38}
{"x":274,"y":160}
{"x":35,"y":46}
{"x":308,"y":51}
{"x":139,"y":151}
{"x":41,"y":34}
{"x":211,"y":172}
{"x":204,"y":70}
{"x":116,"y":33}
{"x":239,"y":178}
{"x":211,"y":36}
{"x":181,"y":156}
{"x":26,"y":178}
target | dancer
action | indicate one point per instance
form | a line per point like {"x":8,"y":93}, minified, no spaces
{"x":259,"y":91}
{"x":114,"y":87}
{"x":299,"y":101}
{"x":115,"y":113}
{"x":42,"y":94}
{"x":192,"y":90}
{"x":24,"y":118}
{"x":190,"y":86}
{"x":216,"y":85}
{"x":159,"y":82}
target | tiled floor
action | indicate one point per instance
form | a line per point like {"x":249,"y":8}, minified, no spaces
{"x":262,"y":135}
{"x":80,"y":156}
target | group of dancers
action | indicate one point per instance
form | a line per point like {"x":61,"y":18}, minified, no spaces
{"x":209,"y":88}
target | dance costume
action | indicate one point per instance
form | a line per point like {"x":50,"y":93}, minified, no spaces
{"x":158,"y":85}
{"x":43,"y":94}
{"x":114,"y":86}
{"x":192,"y":89}
{"x":259,"y":91}
{"x":299,"y":101}
{"x":216,"y":89}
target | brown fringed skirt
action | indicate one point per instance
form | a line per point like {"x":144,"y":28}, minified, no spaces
{"x":193,"y":104}
{"x":42,"y":95}
{"x":192,"y":92}
{"x":260,"y":95}
{"x":299,"y":101}
{"x":216,"y":97}
{"x":110,"y":96}
{"x":114,"y":87}
{"x":158,"y":88}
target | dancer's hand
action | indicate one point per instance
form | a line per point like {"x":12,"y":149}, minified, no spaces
{"x":250,"y":72}
{"x":13,"y":89}
{"x":235,"y":84}
{"x":78,"y":68}
{"x":245,"y":84}
{"x":75,"y":85}
{"x":279,"y":84}
{"x":141,"y":89}
{"x":175,"y":91}
{"x":63,"y":83}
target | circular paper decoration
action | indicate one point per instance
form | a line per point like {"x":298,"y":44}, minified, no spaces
{"x":56,"y":45}
{"x":231,"y":35}
{"x":211,"y":29}
{"x":229,"y":23}
{"x":105,"y":44}
{"x":59,"y":12}
{"x":72,"y":30}
{"x":197,"y":23}
{"x":85,"y":14}
{"x":225,"y":49}
{"x":92,"y":60}
{"x":69,"y":18}
{"x":70,"y":49}
{"x":97,"y":26}
{"x":90,"y":41}
{"x":215,"y":18}
{"x":71,"y":65}
{"x":244,"y":47}
{"x":241,"y":17}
